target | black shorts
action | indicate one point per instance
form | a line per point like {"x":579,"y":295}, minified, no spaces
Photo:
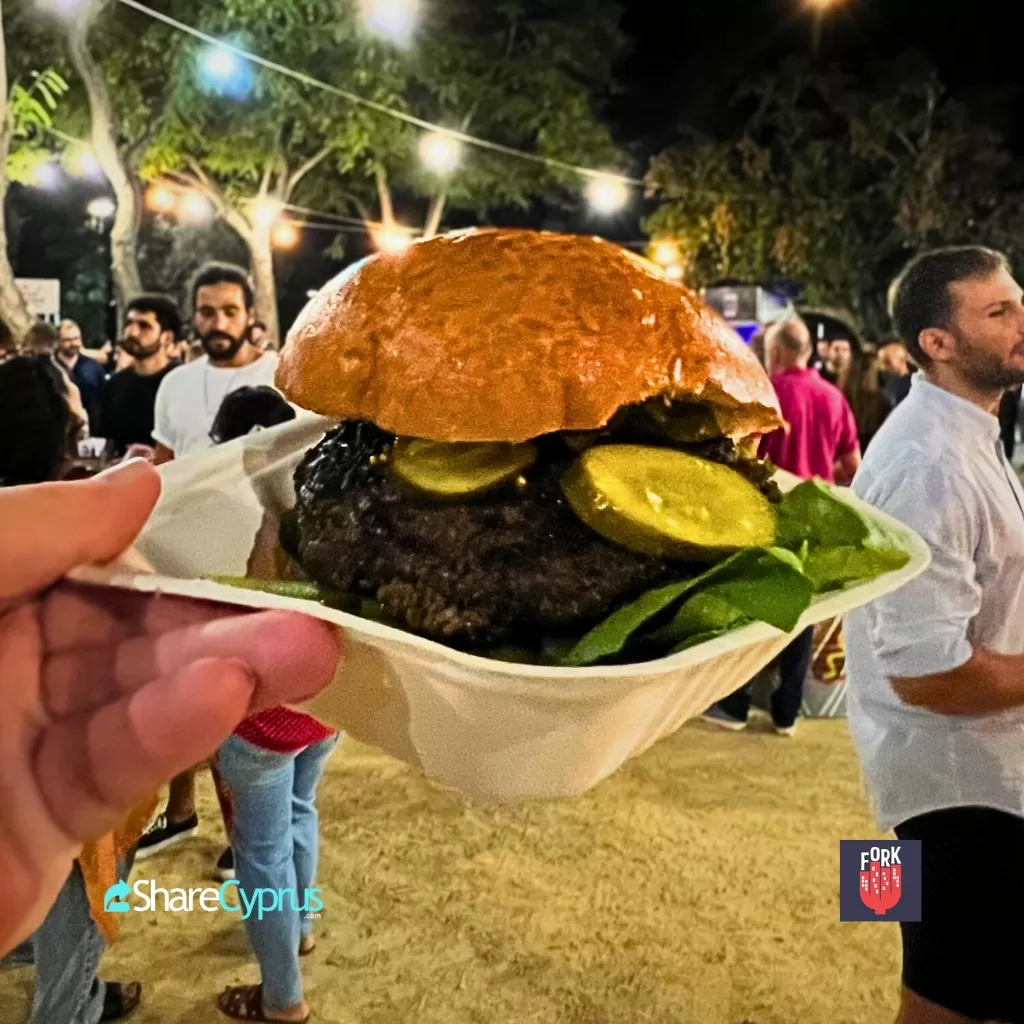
{"x":966,"y":953}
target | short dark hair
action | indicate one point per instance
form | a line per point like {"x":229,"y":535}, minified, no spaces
{"x":248,"y":407}
{"x":920,"y":297}
{"x":163,"y":307}
{"x":41,"y":337}
{"x":224,"y":273}
{"x":34,"y":420}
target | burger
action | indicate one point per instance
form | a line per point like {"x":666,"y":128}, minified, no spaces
{"x":534,"y":429}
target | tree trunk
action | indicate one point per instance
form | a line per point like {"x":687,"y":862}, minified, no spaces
{"x":261,"y":248}
{"x":435,"y":214}
{"x":125,"y":229}
{"x":258,"y":239}
{"x":12,"y":305}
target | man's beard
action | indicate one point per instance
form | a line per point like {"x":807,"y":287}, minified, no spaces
{"x":138,"y":351}
{"x":222,"y":353}
{"x":985,"y":371}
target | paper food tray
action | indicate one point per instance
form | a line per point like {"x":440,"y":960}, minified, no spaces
{"x":489,"y":729}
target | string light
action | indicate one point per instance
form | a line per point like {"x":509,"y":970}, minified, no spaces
{"x":394,"y":19}
{"x":83,"y":163}
{"x":285,"y":236}
{"x":440,"y":153}
{"x":195,"y":209}
{"x":47,"y":175}
{"x":62,"y":8}
{"x":666,"y":252}
{"x":161,"y":199}
{"x":675,"y":272}
{"x":381,"y":11}
{"x":392,"y":238}
{"x":225,"y":72}
{"x":266,"y":211}
{"x":607,"y":194}
{"x":102,"y":208}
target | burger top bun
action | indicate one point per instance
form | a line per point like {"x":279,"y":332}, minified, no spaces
{"x":501,"y":335}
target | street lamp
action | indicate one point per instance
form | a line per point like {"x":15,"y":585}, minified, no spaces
{"x":102,"y":211}
{"x":394,"y":19}
{"x":607,"y":194}
{"x":440,"y":152}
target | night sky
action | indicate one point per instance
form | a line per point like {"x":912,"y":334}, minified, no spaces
{"x":688,"y":58}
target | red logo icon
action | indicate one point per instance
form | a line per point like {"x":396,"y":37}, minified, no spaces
{"x":881,"y":885}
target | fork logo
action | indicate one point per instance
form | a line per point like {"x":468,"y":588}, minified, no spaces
{"x":879,"y":881}
{"x":881,"y":878}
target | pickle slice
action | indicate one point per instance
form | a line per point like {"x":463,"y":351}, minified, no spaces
{"x":451,"y":470}
{"x":666,"y":503}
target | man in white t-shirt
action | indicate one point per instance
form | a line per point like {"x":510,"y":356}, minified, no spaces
{"x":190,"y":397}
{"x":187,"y":404}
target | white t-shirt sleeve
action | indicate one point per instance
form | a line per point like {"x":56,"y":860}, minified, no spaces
{"x":163,"y":427}
{"x":923,"y":628}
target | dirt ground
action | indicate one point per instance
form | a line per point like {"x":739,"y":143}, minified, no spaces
{"x":699,"y":885}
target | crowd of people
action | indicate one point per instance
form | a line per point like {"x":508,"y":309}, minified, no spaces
{"x":158,"y":396}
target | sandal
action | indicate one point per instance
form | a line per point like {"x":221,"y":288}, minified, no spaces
{"x":120,"y":1000}
{"x":245,"y":1002}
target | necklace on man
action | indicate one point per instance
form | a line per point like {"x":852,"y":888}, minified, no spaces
{"x":206,"y":389}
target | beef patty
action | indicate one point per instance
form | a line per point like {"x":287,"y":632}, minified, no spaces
{"x":506,"y":566}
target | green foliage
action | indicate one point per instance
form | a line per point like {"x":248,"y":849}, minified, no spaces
{"x":834,"y":182}
{"x":524,"y":74}
{"x":31,"y":108}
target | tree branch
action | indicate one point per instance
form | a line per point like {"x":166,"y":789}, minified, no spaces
{"x":387,"y":207}
{"x":265,"y":180}
{"x":157,"y":112}
{"x":310,"y":165}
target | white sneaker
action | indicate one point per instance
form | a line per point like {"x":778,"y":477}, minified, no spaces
{"x":715,"y":716}
{"x":789,"y":731}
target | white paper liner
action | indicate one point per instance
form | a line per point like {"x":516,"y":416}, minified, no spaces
{"x":487,"y":728}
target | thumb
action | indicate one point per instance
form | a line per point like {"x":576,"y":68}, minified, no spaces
{"x":49,"y":529}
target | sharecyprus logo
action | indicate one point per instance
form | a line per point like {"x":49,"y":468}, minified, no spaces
{"x":114,"y":899}
{"x":245,"y":902}
{"x":879,"y":880}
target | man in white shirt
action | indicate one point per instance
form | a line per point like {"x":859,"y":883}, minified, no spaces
{"x":187,"y":404}
{"x":190,"y":397}
{"x":937,"y":670}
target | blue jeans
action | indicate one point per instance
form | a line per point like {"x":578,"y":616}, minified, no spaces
{"x":275,"y":836}
{"x":794,"y":664}
{"x":67,"y":949}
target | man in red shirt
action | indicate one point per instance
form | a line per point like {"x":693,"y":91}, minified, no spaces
{"x":819,"y":440}
{"x":820,"y":437}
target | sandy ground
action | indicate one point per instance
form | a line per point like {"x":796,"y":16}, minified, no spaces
{"x":699,"y":885}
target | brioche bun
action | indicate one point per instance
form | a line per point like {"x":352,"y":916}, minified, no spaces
{"x":503,"y":335}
